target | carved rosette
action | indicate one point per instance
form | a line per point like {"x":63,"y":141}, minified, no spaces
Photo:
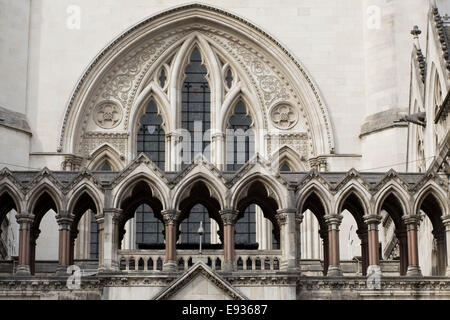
{"x":107,"y":114}
{"x":284,"y":116}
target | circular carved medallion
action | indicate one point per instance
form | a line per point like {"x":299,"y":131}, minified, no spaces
{"x":284,"y":116}
{"x":107,"y":114}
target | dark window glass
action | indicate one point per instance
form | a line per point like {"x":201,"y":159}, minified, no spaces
{"x":246,"y":227}
{"x":151,"y":137}
{"x":285,"y":168}
{"x":240,"y":139}
{"x":106,"y":166}
{"x":229,"y":78}
{"x":195,"y":109}
{"x":275,"y":243}
{"x":189,"y":226}
{"x":93,"y":252}
{"x":149,"y":230}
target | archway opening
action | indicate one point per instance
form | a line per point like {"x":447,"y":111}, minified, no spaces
{"x":44,"y":235}
{"x":9,"y":229}
{"x":310,"y":228}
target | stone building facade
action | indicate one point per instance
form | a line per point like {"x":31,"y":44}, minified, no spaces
{"x":309,"y":141}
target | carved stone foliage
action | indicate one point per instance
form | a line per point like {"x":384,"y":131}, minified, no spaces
{"x":107,"y":114}
{"x":272,"y":87}
{"x":92,"y":140}
{"x":296,"y":141}
{"x":284,"y":116}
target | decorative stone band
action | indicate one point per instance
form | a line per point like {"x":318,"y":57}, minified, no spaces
{"x":170,"y":216}
{"x":228,"y":216}
{"x":372,"y":221}
{"x":412,"y":222}
{"x":333,"y":221}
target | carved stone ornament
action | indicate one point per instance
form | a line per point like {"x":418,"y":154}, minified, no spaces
{"x":107,"y":114}
{"x":284,"y":116}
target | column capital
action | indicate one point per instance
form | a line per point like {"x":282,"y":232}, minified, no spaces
{"x":298,"y":217}
{"x":283,"y":214}
{"x":114,"y":212}
{"x":446,"y":221}
{"x":170,"y":216}
{"x":24,"y":218}
{"x":372,"y":221}
{"x":333,"y":220}
{"x":64,"y":221}
{"x":412,"y":221}
{"x":228,"y":216}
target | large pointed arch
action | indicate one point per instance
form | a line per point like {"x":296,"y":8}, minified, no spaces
{"x":126,"y":61}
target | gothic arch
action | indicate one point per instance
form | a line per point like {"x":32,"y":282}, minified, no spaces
{"x":313,"y":187}
{"x":356,"y":189}
{"x":216,"y":189}
{"x":126,"y":187}
{"x":40,"y":190}
{"x":392,"y":188}
{"x":116,"y":75}
{"x":84,"y":188}
{"x":286,"y":155}
{"x":8,"y":189}
{"x":103,"y":153}
{"x":431,"y":188}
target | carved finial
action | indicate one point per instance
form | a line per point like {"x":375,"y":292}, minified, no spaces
{"x":416,"y":32}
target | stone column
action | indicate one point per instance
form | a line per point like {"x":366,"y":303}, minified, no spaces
{"x":109,"y":235}
{"x":326,"y":250}
{"x":372,"y":222}
{"x":217,"y":150}
{"x":412,"y":225}
{"x":363,"y":238}
{"x":298,"y":222}
{"x":286,"y":222}
{"x":64,"y":223}
{"x":441,"y":251}
{"x":171,"y":222}
{"x":24,"y":220}
{"x":333,"y":222}
{"x":229,"y":217}
{"x":446,"y":221}
{"x":403,"y":248}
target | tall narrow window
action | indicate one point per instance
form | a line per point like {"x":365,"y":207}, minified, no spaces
{"x":195,"y":109}
{"x":240,"y":138}
{"x":151,"y":136}
{"x":93,"y":252}
{"x":151,"y":141}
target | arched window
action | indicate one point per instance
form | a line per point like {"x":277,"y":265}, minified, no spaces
{"x":240,"y":138}
{"x":195,"y":109}
{"x":246,"y":228}
{"x":151,"y":136}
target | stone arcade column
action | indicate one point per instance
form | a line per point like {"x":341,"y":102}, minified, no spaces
{"x":109,"y":238}
{"x":64,"y":223}
{"x":24,"y":220}
{"x":171,"y":221}
{"x":363,"y":238}
{"x":446,"y":221}
{"x":326,"y":250}
{"x":412,"y":225}
{"x":439,"y":236}
{"x":372,"y":222}
{"x":229,"y":217}
{"x":298,"y":244}
{"x":286,"y":221}
{"x":333,"y":222}
{"x":403,"y":248}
